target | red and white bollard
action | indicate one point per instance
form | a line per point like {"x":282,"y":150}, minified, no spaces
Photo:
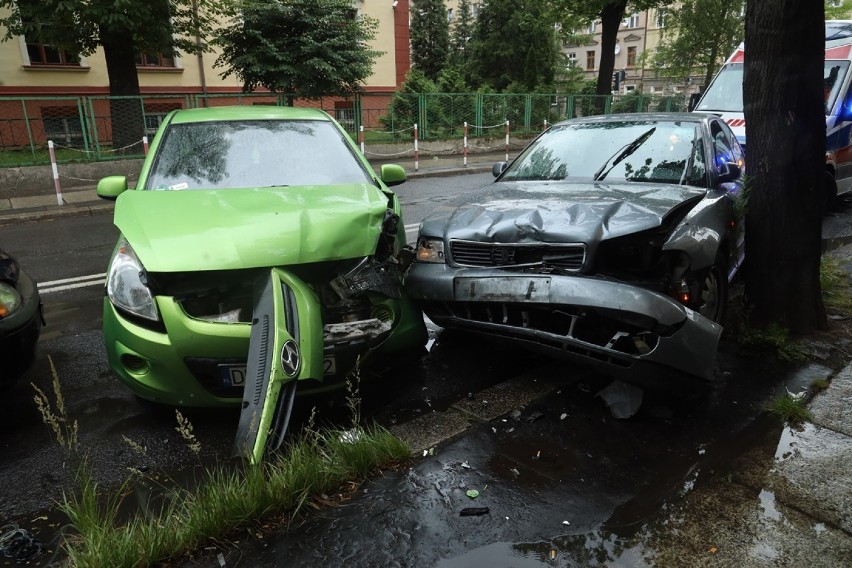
{"x":361,"y":137}
{"x":465,"y":144}
{"x":545,"y":124}
{"x":145,"y":144}
{"x":55,"y":169}
{"x":416,"y":150}
{"x":507,"y":140}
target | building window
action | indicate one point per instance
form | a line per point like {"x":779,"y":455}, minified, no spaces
{"x":474,"y":10}
{"x":449,"y":14}
{"x":44,"y":54}
{"x":591,"y":28}
{"x":590,"y":60}
{"x":572,"y":59}
{"x":628,"y":88}
{"x":62,"y":125}
{"x":632,"y":21}
{"x":631,"y":56}
{"x":154,"y":60}
{"x":661,"y":18}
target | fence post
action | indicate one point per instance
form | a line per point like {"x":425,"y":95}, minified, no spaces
{"x":145,"y":144}
{"x":81,"y":112}
{"x":465,"y":143}
{"x":545,"y":124}
{"x":29,"y":128}
{"x":507,"y":140}
{"x":55,"y":169}
{"x":528,"y":113}
{"x":361,"y":137}
{"x":416,"y":150}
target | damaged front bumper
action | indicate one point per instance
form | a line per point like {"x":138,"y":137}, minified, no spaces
{"x":620,"y":329}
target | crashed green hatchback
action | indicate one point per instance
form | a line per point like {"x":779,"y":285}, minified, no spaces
{"x":258,"y":249}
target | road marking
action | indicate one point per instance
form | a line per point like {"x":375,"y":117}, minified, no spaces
{"x":72,"y":283}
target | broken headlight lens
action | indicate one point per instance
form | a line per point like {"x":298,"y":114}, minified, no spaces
{"x":125,"y":284}
{"x":10,"y":300}
{"x":430,"y":250}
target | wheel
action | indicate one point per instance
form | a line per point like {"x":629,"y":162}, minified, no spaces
{"x":830,"y":193}
{"x":713,"y":294}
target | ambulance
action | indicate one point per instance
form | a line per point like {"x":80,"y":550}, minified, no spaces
{"x":724,"y":97}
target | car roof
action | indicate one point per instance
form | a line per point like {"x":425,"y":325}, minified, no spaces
{"x":643,"y":117}
{"x":259,"y":112}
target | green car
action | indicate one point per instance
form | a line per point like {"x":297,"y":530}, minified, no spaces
{"x":254,"y":222}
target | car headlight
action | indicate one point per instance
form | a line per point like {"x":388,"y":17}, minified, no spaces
{"x":10,"y":300}
{"x":125,"y":286}
{"x":430,"y":250}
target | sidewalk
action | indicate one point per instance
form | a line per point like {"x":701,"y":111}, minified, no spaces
{"x":83,"y":200}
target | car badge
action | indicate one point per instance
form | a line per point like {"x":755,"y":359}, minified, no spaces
{"x":290,"y":358}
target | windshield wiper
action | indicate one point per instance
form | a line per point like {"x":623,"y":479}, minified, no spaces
{"x":627,"y":150}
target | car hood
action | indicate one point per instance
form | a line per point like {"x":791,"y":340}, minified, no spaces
{"x":181,"y":231}
{"x":556,"y":211}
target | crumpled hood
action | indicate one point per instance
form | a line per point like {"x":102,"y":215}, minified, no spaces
{"x":556,"y":211}
{"x":192,"y":230}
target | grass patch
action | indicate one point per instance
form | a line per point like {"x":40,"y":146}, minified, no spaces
{"x":836,"y":291}
{"x":776,"y":339}
{"x":791,"y":409}
{"x":317,"y":462}
{"x":819,"y":385}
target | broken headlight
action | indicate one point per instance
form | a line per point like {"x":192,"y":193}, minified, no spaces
{"x":430,"y":250}
{"x":10,"y":300}
{"x":127,"y":285}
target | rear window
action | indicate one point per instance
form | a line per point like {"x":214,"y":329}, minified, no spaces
{"x":253,"y":153}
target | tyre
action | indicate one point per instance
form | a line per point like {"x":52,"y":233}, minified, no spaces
{"x":713,"y":290}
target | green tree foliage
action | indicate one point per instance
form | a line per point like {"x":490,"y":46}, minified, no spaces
{"x":124,"y":29}
{"x":430,"y":36}
{"x":610,"y":13}
{"x":305,"y":48}
{"x":699,"y":34}
{"x":515,"y":42}
{"x":835,"y":10}
{"x":460,"y":35}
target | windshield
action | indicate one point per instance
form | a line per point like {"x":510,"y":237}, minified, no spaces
{"x":253,"y":153}
{"x":628,"y":151}
{"x":726,"y":91}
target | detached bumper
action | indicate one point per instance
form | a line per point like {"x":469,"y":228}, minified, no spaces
{"x":623,"y":330}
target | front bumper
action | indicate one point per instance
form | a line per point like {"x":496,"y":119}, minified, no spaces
{"x":623,"y":330}
{"x":19,"y":332}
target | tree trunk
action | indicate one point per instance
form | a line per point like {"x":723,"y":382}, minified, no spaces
{"x":611,"y":17}
{"x":785,"y":161}
{"x":125,"y":106}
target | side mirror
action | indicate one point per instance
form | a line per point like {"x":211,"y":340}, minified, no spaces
{"x":392,"y":174}
{"x":111,"y":187}
{"x":693,"y":101}
{"x":499,"y":168}
{"x":729,"y":171}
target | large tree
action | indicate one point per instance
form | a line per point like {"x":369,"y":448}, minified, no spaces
{"x":430,"y":36}
{"x":461,"y":33}
{"x":610,"y":13}
{"x":698,"y":35}
{"x":304,"y":48}
{"x":123,"y":29}
{"x":515,"y":43}
{"x":785,"y":161}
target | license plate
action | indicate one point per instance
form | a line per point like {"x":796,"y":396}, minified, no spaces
{"x":503,"y":289}
{"x":235,"y":375}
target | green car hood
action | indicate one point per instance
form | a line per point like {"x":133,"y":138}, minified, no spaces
{"x":193,"y":230}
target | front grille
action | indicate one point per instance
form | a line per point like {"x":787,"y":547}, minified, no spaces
{"x":565,"y":256}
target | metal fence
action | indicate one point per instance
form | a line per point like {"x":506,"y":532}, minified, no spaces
{"x":97,"y":128}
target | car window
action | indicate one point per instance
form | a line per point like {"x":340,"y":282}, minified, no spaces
{"x":628,"y":151}
{"x":725,"y":146}
{"x":253,"y":153}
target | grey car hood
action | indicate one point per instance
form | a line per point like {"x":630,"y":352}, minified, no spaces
{"x":512,"y":212}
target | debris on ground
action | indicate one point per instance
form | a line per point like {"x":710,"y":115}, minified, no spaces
{"x":474,"y":511}
{"x":472,"y":493}
{"x":19,"y":544}
{"x":534,"y":416}
{"x":622,"y":399}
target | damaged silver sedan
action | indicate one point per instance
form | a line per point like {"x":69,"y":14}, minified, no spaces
{"x":611,"y":240}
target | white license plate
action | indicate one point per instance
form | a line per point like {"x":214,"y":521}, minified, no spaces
{"x":235,"y":375}
{"x":502,"y":289}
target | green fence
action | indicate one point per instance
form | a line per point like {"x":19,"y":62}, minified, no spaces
{"x":96,"y":128}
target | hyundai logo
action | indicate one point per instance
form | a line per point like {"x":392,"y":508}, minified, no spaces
{"x":290,"y":358}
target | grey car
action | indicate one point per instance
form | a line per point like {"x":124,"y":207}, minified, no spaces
{"x":610,"y":240}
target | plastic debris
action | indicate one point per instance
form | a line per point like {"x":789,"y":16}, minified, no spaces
{"x":429,"y":452}
{"x":566,"y":523}
{"x":552,"y":554}
{"x":474,"y":511}
{"x":472,"y":493}
{"x":537,"y":455}
{"x":563,"y":416}
{"x":622,"y":399}
{"x":515,"y":472}
{"x":510,"y":430}
{"x":534,"y":416}
{"x":221,"y":559}
{"x":465,"y":465}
